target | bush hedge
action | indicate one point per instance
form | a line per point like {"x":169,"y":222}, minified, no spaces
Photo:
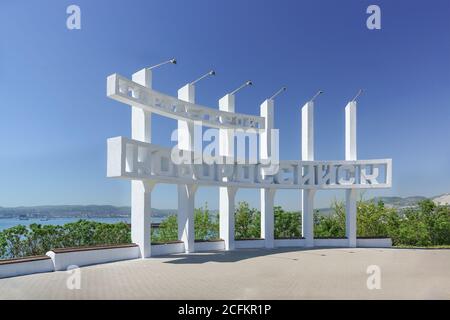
{"x":427,"y":224}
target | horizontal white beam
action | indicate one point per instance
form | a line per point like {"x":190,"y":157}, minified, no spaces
{"x":126,"y":91}
{"x":138,"y":160}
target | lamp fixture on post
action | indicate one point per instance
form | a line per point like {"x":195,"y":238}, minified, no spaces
{"x":210,"y":73}
{"x":247,"y":83}
{"x":316,"y":95}
{"x":172,"y":61}
{"x":360,"y":91}
{"x":277,"y":93}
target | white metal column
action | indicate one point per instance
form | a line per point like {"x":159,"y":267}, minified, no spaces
{"x":267,"y":195}
{"x":141,"y":192}
{"x":186,"y":192}
{"x":227,"y":194}
{"x":350,"y":154}
{"x":308,"y":154}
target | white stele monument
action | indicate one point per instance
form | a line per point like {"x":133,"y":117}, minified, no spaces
{"x":146,"y":164}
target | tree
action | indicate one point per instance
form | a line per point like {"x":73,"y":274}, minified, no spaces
{"x":247,"y":222}
{"x":287,"y":224}
{"x":333,"y":225}
{"x":14,"y":242}
{"x":374,"y":219}
{"x":205,"y":227}
{"x":425,"y":225}
{"x":167,"y":231}
{"x":36,"y":239}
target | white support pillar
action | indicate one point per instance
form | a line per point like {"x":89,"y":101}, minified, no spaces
{"x":141,"y":121}
{"x":226,"y":136}
{"x":227,"y":194}
{"x":141,"y":192}
{"x":267,"y":111}
{"x":350,"y":154}
{"x":308,"y":154}
{"x":141,"y":209}
{"x":186,"y":193}
{"x":186,"y":128}
{"x":350,"y":216}
{"x":226,"y":215}
{"x":186,"y":201}
{"x":267,"y":218}
{"x":267,"y":195}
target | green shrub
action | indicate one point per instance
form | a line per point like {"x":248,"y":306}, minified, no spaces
{"x":20,"y":241}
{"x":427,"y":224}
{"x":167,"y":230}
{"x":286,"y":224}
{"x":332,"y":226}
{"x":206,"y":227}
{"x":375,"y":220}
{"x":247,"y":222}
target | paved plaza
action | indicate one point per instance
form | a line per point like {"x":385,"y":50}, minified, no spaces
{"x":251,"y":274}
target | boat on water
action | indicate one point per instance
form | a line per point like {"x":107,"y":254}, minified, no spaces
{"x":44,"y":218}
{"x":23,"y":217}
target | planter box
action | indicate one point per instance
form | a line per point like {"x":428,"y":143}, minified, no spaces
{"x":83,"y":256}
{"x":23,"y":266}
{"x":250,"y":244}
{"x":331,"y":242}
{"x":161,"y":249}
{"x":280,"y":243}
{"x":374,"y":242}
{"x":213,"y":245}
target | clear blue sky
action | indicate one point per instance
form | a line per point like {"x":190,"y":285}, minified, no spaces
{"x":55,"y":116}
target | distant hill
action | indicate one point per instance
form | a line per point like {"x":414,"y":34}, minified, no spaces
{"x":443,"y":199}
{"x":399,"y":202}
{"x":104,"y":211}
{"x":77,"y":211}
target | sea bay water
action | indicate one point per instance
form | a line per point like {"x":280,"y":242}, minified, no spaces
{"x":6,"y":223}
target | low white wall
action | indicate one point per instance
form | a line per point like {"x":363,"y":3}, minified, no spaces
{"x":331,"y":242}
{"x":341,"y":242}
{"x":209,"y":245}
{"x":374,"y":242}
{"x":27,"y":266}
{"x":83,"y":257}
{"x":248,"y":244}
{"x":167,"y":248}
{"x":279,"y":243}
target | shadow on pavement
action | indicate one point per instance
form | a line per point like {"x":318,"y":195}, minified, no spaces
{"x":235,"y":255}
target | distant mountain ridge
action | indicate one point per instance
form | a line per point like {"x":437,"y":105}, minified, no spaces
{"x":403,"y":202}
{"x":399,"y":202}
{"x":81,"y":211}
{"x":104,"y":211}
{"x":443,"y":199}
